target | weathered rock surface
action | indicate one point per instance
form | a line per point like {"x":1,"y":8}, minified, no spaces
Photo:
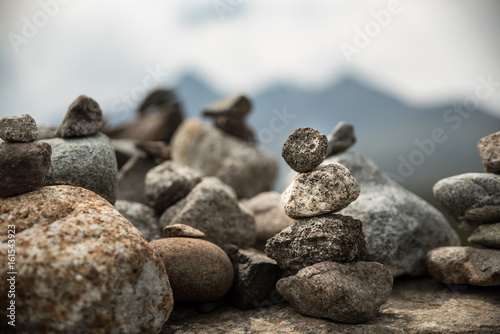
{"x":416,"y":305}
{"x":237,"y":106}
{"x":87,"y":162}
{"x":181,"y":230}
{"x":142,"y":217}
{"x":212,"y":208}
{"x":489,"y":151}
{"x":400,"y":227}
{"x":81,"y":267}
{"x":487,"y":235}
{"x":343,"y":292}
{"x":270,"y":218}
{"x":465,"y":265}
{"x":197,"y":269}
{"x":235,"y":126}
{"x":168,"y":183}
{"x":23,"y":167}
{"x":305,"y":149}
{"x":329,"y":237}
{"x":472,"y":198}
{"x":341,"y":138}
{"x":131,"y":179}
{"x":255,"y":277}
{"x":243,"y":167}
{"x":83,"y":118}
{"x":18,"y":129}
{"x":328,"y":188}
{"x":155,"y":149}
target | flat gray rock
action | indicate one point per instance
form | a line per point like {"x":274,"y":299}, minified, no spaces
{"x":18,"y":129}
{"x":327,"y":237}
{"x":343,"y":292}
{"x":472,"y":198}
{"x":489,"y":151}
{"x":341,"y":138}
{"x":83,"y":118}
{"x":326,"y":189}
{"x":87,"y":162}
{"x":400,"y":227}
{"x":487,"y":235}
{"x":304,"y":149}
{"x":142,"y":217}
{"x":465,"y":265}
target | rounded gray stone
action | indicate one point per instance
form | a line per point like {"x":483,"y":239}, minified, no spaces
{"x":305,"y":149}
{"x":487,"y":235}
{"x":18,"y":129}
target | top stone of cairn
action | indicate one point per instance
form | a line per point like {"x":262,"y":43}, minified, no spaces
{"x":305,"y":149}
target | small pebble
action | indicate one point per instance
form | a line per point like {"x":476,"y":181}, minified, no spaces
{"x":18,"y":129}
{"x":84,"y":118}
{"x":489,"y":151}
{"x":305,"y":149}
{"x":181,"y":230}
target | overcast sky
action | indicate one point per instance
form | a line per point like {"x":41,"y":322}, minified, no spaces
{"x":425,"y":52}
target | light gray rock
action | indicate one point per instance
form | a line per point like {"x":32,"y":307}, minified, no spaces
{"x":168,"y":183}
{"x":329,"y":237}
{"x":82,"y":267}
{"x":489,"y":151}
{"x":212,"y":208}
{"x":472,"y":198}
{"x":23,"y":167}
{"x":131,"y":179}
{"x":400,"y":227}
{"x":343,"y":292}
{"x":18,"y":129}
{"x":181,"y":230}
{"x":328,"y":188}
{"x":341,"y":138}
{"x":465,"y":265}
{"x":83,"y":118}
{"x":87,"y":162}
{"x":142,"y":217}
{"x":487,"y":235}
{"x":243,"y":167}
{"x":305,"y":149}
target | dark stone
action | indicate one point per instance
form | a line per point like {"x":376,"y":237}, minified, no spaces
{"x":18,"y":129}
{"x":155,"y":149}
{"x":142,"y":217}
{"x":236,"y":106}
{"x":235,"y":126}
{"x":84,"y":118}
{"x":341,"y":138}
{"x":131,"y":179}
{"x":305,"y":149}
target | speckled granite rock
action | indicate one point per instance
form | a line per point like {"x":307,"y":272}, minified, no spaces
{"x":400,"y":227}
{"x":81,"y":267}
{"x":343,"y":292}
{"x":18,"y":129}
{"x":83,"y":118}
{"x":465,"y":265}
{"x":329,"y":237}
{"x":487,"y":235}
{"x":489,"y":151}
{"x":472,"y":198}
{"x":142,"y":217}
{"x":328,"y":188}
{"x":341,"y":138}
{"x":305,"y":149}
{"x":198,"y":270}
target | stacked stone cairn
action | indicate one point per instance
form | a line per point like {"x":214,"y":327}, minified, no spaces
{"x":324,"y":251}
{"x":474,"y":200}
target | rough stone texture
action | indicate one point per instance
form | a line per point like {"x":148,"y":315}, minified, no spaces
{"x":329,"y":237}
{"x":489,"y":151}
{"x":131,"y":179}
{"x":400,"y":227}
{"x":168,"y":183}
{"x":155,"y":149}
{"x":23,"y":167}
{"x":305,"y":149}
{"x":255,"y":277}
{"x":238,"y":106}
{"x":472,"y":198}
{"x":416,"y":305}
{"x":465,"y":265}
{"x":197,"y":269}
{"x":486,"y":235}
{"x":243,"y":167}
{"x":328,"y":188}
{"x":87,"y":162}
{"x":181,"y":230}
{"x":343,"y":292}
{"x":341,"y":138}
{"x":235,"y":126}
{"x":212,"y":208}
{"x":84,"y":118}
{"x":18,"y":129}
{"x":142,"y":217}
{"x":81,"y":267}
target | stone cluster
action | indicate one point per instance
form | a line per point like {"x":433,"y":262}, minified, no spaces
{"x":324,"y":251}
{"x":473,"y":199}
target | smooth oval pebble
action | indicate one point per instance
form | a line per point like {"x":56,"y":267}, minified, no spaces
{"x":181,"y":230}
{"x":305,"y":149}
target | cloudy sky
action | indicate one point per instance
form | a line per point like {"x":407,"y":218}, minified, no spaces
{"x":423,"y":52}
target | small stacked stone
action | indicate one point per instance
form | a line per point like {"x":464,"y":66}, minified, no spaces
{"x":324,"y":250}
{"x":24,"y":163}
{"x":474,"y":200}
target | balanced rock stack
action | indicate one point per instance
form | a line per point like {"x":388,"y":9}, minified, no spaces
{"x":324,"y":250}
{"x":474,"y":200}
{"x":24,"y":163}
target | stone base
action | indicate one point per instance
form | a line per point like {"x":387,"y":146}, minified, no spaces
{"x":416,"y":305}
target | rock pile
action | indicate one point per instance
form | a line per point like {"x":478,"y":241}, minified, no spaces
{"x":324,"y":250}
{"x":474,"y":200}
